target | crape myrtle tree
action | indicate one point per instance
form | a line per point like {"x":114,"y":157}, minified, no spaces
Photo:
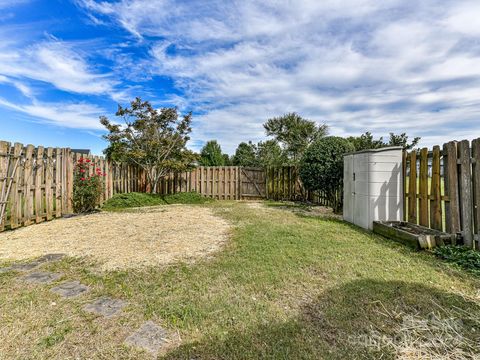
{"x":211,"y":154}
{"x":294,"y":133}
{"x":153,"y":139}
{"x":321,"y":167}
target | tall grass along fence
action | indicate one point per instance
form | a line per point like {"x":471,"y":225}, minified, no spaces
{"x":442,"y":189}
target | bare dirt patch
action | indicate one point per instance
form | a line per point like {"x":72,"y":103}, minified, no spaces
{"x":145,"y":237}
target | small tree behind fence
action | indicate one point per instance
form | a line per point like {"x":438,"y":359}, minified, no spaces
{"x":442,"y":189}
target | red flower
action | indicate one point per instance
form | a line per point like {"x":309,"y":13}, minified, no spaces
{"x":88,"y":160}
{"x":82,"y":170}
{"x":83,"y":179}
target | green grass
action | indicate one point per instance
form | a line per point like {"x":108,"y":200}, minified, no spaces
{"x":462,"y":256}
{"x":125,"y":201}
{"x":287,"y":286}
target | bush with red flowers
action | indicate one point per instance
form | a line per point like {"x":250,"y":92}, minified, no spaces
{"x":87,"y":186}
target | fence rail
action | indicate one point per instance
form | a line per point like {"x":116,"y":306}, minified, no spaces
{"x":442,"y":189}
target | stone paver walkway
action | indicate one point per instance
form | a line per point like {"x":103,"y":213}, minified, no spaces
{"x":149,"y":337}
{"x":70,"y":289}
{"x":105,"y":307}
{"x":40,"y":277}
{"x":24,"y":267}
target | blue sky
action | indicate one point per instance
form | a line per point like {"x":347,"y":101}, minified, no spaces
{"x":357,"y":65}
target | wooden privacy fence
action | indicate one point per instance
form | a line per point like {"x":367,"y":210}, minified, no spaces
{"x":243,"y":183}
{"x":36,"y":184}
{"x":442,"y":189}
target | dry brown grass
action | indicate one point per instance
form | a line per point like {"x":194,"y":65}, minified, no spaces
{"x":121,"y":240}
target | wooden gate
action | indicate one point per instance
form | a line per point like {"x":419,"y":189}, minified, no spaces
{"x":252,"y":183}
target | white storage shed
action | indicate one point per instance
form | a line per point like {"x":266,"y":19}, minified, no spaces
{"x":373,"y":186}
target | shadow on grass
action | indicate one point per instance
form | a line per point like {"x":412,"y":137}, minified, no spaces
{"x":363,"y":319}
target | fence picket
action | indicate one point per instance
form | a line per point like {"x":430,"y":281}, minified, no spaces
{"x":466,"y":204}
{"x":412,"y":189}
{"x":15,"y":196}
{"x":49,"y":184}
{"x":423,"y":198}
{"x":436,"y":195}
{"x":39,"y":168}
{"x":476,"y":190}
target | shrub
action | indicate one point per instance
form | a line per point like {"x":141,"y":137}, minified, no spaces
{"x":87,"y":189}
{"x":125,"y":201}
{"x":467,"y":258}
{"x":321,"y":167}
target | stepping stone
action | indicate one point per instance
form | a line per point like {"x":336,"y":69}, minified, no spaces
{"x":105,"y":306}
{"x":50,"y":258}
{"x":149,"y":337}
{"x":25,"y":266}
{"x":70,"y":289}
{"x":40,"y":277}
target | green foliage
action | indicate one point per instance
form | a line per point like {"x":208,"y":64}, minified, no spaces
{"x":211,"y":154}
{"x":269,"y":153}
{"x":226,"y":160}
{"x":463,"y":256}
{"x":402,"y":140}
{"x":87,"y":189}
{"x":321,"y":167}
{"x":131,"y":200}
{"x":366,"y":141}
{"x":294,"y":133}
{"x":153,"y":139}
{"x":264,"y":154}
{"x":186,"y":198}
{"x":245,"y":155}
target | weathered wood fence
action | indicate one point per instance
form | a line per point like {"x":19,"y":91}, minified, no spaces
{"x":442,"y":189}
{"x":36,"y":183}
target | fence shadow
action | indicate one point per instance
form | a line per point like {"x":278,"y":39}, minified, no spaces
{"x":354,"y":321}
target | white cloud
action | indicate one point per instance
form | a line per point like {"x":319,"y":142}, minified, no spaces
{"x":56,"y":63}
{"x":464,"y":18}
{"x":356,"y":64}
{"x":70,"y":115}
{"x":4,"y":4}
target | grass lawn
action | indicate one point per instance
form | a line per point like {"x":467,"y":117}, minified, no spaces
{"x":286,"y":286}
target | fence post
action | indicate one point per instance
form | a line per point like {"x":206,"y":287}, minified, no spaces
{"x":466,"y":204}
